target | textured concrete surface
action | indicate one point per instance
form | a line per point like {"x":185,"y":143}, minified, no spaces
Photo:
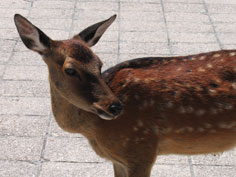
{"x":31,"y":143}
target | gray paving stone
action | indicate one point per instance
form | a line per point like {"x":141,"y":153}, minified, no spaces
{"x":183,"y":1}
{"x":8,"y":34}
{"x":142,"y":26}
{"x":140,"y":48}
{"x":26,"y":73}
{"x":9,"y":13}
{"x":229,"y":46}
{"x":70,"y":149}
{"x":225,"y":28}
{"x":53,"y":169}
{"x":53,"y":4}
{"x":193,"y":48}
{"x":20,"y":148}
{"x":144,"y":7}
{"x":226,"y":158}
{"x":141,"y":16}
{"x":192,"y":37}
{"x":97,"y":6}
{"x":6,"y":22}
{"x":144,"y":36}
{"x":171,"y":171}
{"x":25,"y":106}
{"x":220,"y":2}
{"x":19,"y":169}
{"x":172,"y":160}
{"x":187,"y":17}
{"x":2,"y":67}
{"x":25,"y":88}
{"x":26,"y":58}
{"x":108,"y":59}
{"x":227,"y":38}
{"x":214,"y":171}
{"x":221,"y":8}
{"x":180,"y":7}
{"x":13,"y":125}
{"x":15,"y":4}
{"x":56,"y":34}
{"x":106,"y":47}
{"x":223,"y":18}
{"x":191,"y":27}
{"x":51,"y":13}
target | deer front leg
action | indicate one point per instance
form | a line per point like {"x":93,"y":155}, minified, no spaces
{"x":140,"y":170}
{"x":119,"y":170}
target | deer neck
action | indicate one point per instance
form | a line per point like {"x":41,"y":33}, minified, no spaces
{"x":69,"y":117}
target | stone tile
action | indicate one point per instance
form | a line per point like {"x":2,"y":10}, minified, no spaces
{"x":227,"y":38}
{"x":184,"y":1}
{"x":70,"y":149}
{"x":9,"y":13}
{"x":187,"y":17}
{"x":97,"y":6}
{"x":144,"y":36}
{"x":25,"y":88}
{"x":56,"y":131}
{"x":142,"y":1}
{"x":54,"y":169}
{"x":221,"y":8}
{"x":144,"y":48}
{"x":223,"y":18}
{"x":2,"y":68}
{"x":216,"y":171}
{"x":53,"y":4}
{"x":20,"y":148}
{"x":57,"y":34}
{"x":25,"y":58}
{"x":142,"y":26}
{"x":171,"y":171}
{"x":26,"y":73}
{"x":56,"y":24}
{"x":4,"y":57}
{"x":19,"y":169}
{"x":226,"y":158}
{"x":181,"y":7}
{"x":25,"y":105}
{"x":106,"y":47}
{"x":13,"y":125}
{"x":12,"y":4}
{"x":229,"y":46}
{"x":172,"y":159}
{"x":220,"y":2}
{"x":108,"y":59}
{"x":189,"y":27}
{"x":225,"y":27}
{"x":193,"y":48}
{"x":8,"y":34}
{"x":51,"y":13}
{"x":7,"y":22}
{"x":143,"y":7}
{"x":192,"y":37}
{"x":141,"y":16}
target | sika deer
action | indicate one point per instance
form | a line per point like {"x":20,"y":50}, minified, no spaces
{"x":175,"y":105}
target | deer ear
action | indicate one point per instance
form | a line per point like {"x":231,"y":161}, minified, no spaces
{"x":32,"y":37}
{"x":93,"y":33}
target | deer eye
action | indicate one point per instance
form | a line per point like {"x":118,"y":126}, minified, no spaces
{"x":70,"y":71}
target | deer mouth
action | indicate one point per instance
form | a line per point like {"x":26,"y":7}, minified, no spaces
{"x":105,"y":115}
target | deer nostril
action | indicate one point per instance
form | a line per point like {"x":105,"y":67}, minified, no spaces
{"x":115,"y":108}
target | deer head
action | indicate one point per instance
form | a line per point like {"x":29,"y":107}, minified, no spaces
{"x":74,"y":70}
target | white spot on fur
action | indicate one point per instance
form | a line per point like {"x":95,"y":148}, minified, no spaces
{"x":146,"y":131}
{"x":189,"y":129}
{"x":212,"y":91}
{"x":207,"y":125}
{"x":209,"y":66}
{"x":200,"y":129}
{"x":189,"y":109}
{"x":136,"y":79}
{"x":216,"y":55}
{"x":232,"y":54}
{"x":169,"y":104}
{"x":140,"y":123}
{"x":201,"y":69}
{"x":202,"y":57}
{"x":213,"y":111}
{"x":135,"y":129}
{"x":182,"y":110}
{"x":179,"y":69}
{"x":234,"y":85}
{"x":228,"y":106}
{"x":181,"y":130}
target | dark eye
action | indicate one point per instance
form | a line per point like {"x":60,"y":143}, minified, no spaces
{"x":70,"y":71}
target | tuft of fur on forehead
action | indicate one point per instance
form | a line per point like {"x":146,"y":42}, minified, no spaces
{"x":78,"y":50}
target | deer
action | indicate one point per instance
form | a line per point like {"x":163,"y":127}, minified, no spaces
{"x":141,"y":108}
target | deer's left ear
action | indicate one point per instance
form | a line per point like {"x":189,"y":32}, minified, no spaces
{"x":93,"y":33}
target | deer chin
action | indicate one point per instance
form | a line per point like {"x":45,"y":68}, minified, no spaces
{"x":102,"y":113}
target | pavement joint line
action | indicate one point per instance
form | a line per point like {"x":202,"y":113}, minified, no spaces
{"x":73,"y":18}
{"x":191,"y":166}
{"x":215,"y":33}
{"x":166,"y":26}
{"x":45,"y":137}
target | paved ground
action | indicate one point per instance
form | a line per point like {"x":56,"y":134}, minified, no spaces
{"x":31,"y":144}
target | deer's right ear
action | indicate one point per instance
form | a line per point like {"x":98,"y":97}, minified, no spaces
{"x":32,"y":37}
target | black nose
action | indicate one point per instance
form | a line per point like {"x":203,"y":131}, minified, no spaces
{"x":115,"y":108}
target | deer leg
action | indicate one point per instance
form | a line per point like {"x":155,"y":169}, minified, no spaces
{"x":140,"y":170}
{"x":119,"y":170}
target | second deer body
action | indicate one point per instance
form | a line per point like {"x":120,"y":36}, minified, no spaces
{"x":158,"y":106}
